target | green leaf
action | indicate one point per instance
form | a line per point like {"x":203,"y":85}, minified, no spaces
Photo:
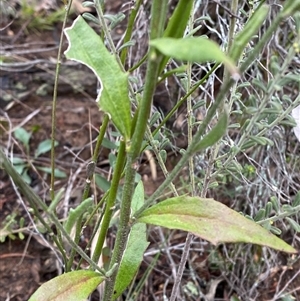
{"x":275,"y":203}
{"x":44,"y":147}
{"x":90,"y":17}
{"x":296,"y":201}
{"x":22,"y":135}
{"x":75,"y":213}
{"x":73,"y":286}
{"x":199,"y":50}
{"x":249,"y":30}
{"x":269,"y":208}
{"x":259,"y":140}
{"x":86,"y":47}
{"x":20,"y":168}
{"x":136,"y":246}
{"x":17,"y":161}
{"x":293,"y":224}
{"x":57,"y":173}
{"x":102,"y":182}
{"x":26,"y":177}
{"x":261,"y":214}
{"x":177,"y":24}
{"x":179,"y":19}
{"x":214,"y":135}
{"x":210,"y":220}
{"x":108,"y":144}
{"x":138,"y":197}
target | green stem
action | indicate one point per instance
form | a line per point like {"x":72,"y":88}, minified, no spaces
{"x":76,"y":240}
{"x":110,"y":201}
{"x":54,"y":103}
{"x":189,"y":152}
{"x":129,"y":29}
{"x":158,"y":12}
{"x":106,"y":31}
{"x":234,"y":8}
{"x":92,"y":164}
{"x":123,"y":230}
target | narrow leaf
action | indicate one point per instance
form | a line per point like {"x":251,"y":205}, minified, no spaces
{"x":22,"y":135}
{"x":86,"y":47}
{"x":44,"y":147}
{"x":57,"y":173}
{"x":210,"y":220}
{"x":293,"y":224}
{"x":296,"y":201}
{"x":73,"y":286}
{"x":199,"y":50}
{"x":75,"y":213}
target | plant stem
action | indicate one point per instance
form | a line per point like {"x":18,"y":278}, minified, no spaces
{"x":234,"y":7}
{"x":110,"y":202}
{"x":129,"y":29}
{"x":92,"y":164}
{"x":54,"y":103}
{"x":106,"y":30}
{"x":190,"y":150}
{"x":158,"y":13}
{"x":76,"y":240}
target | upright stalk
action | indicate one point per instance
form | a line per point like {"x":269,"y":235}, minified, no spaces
{"x":53,"y":116}
{"x":158,"y":16}
{"x":91,"y":166}
{"x":110,"y":202}
{"x":129,"y":29}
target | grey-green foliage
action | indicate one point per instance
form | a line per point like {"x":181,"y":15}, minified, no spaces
{"x":23,"y":165}
{"x":273,"y":212}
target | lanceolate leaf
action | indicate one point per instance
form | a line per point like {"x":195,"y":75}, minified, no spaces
{"x":199,"y":50}
{"x":136,"y":246}
{"x":86,"y":47}
{"x":44,"y":147}
{"x":210,"y":220}
{"x":73,"y":286}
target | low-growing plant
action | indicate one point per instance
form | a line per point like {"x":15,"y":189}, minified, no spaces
{"x":128,"y":107}
{"x":22,"y":165}
{"x":9,"y":225}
